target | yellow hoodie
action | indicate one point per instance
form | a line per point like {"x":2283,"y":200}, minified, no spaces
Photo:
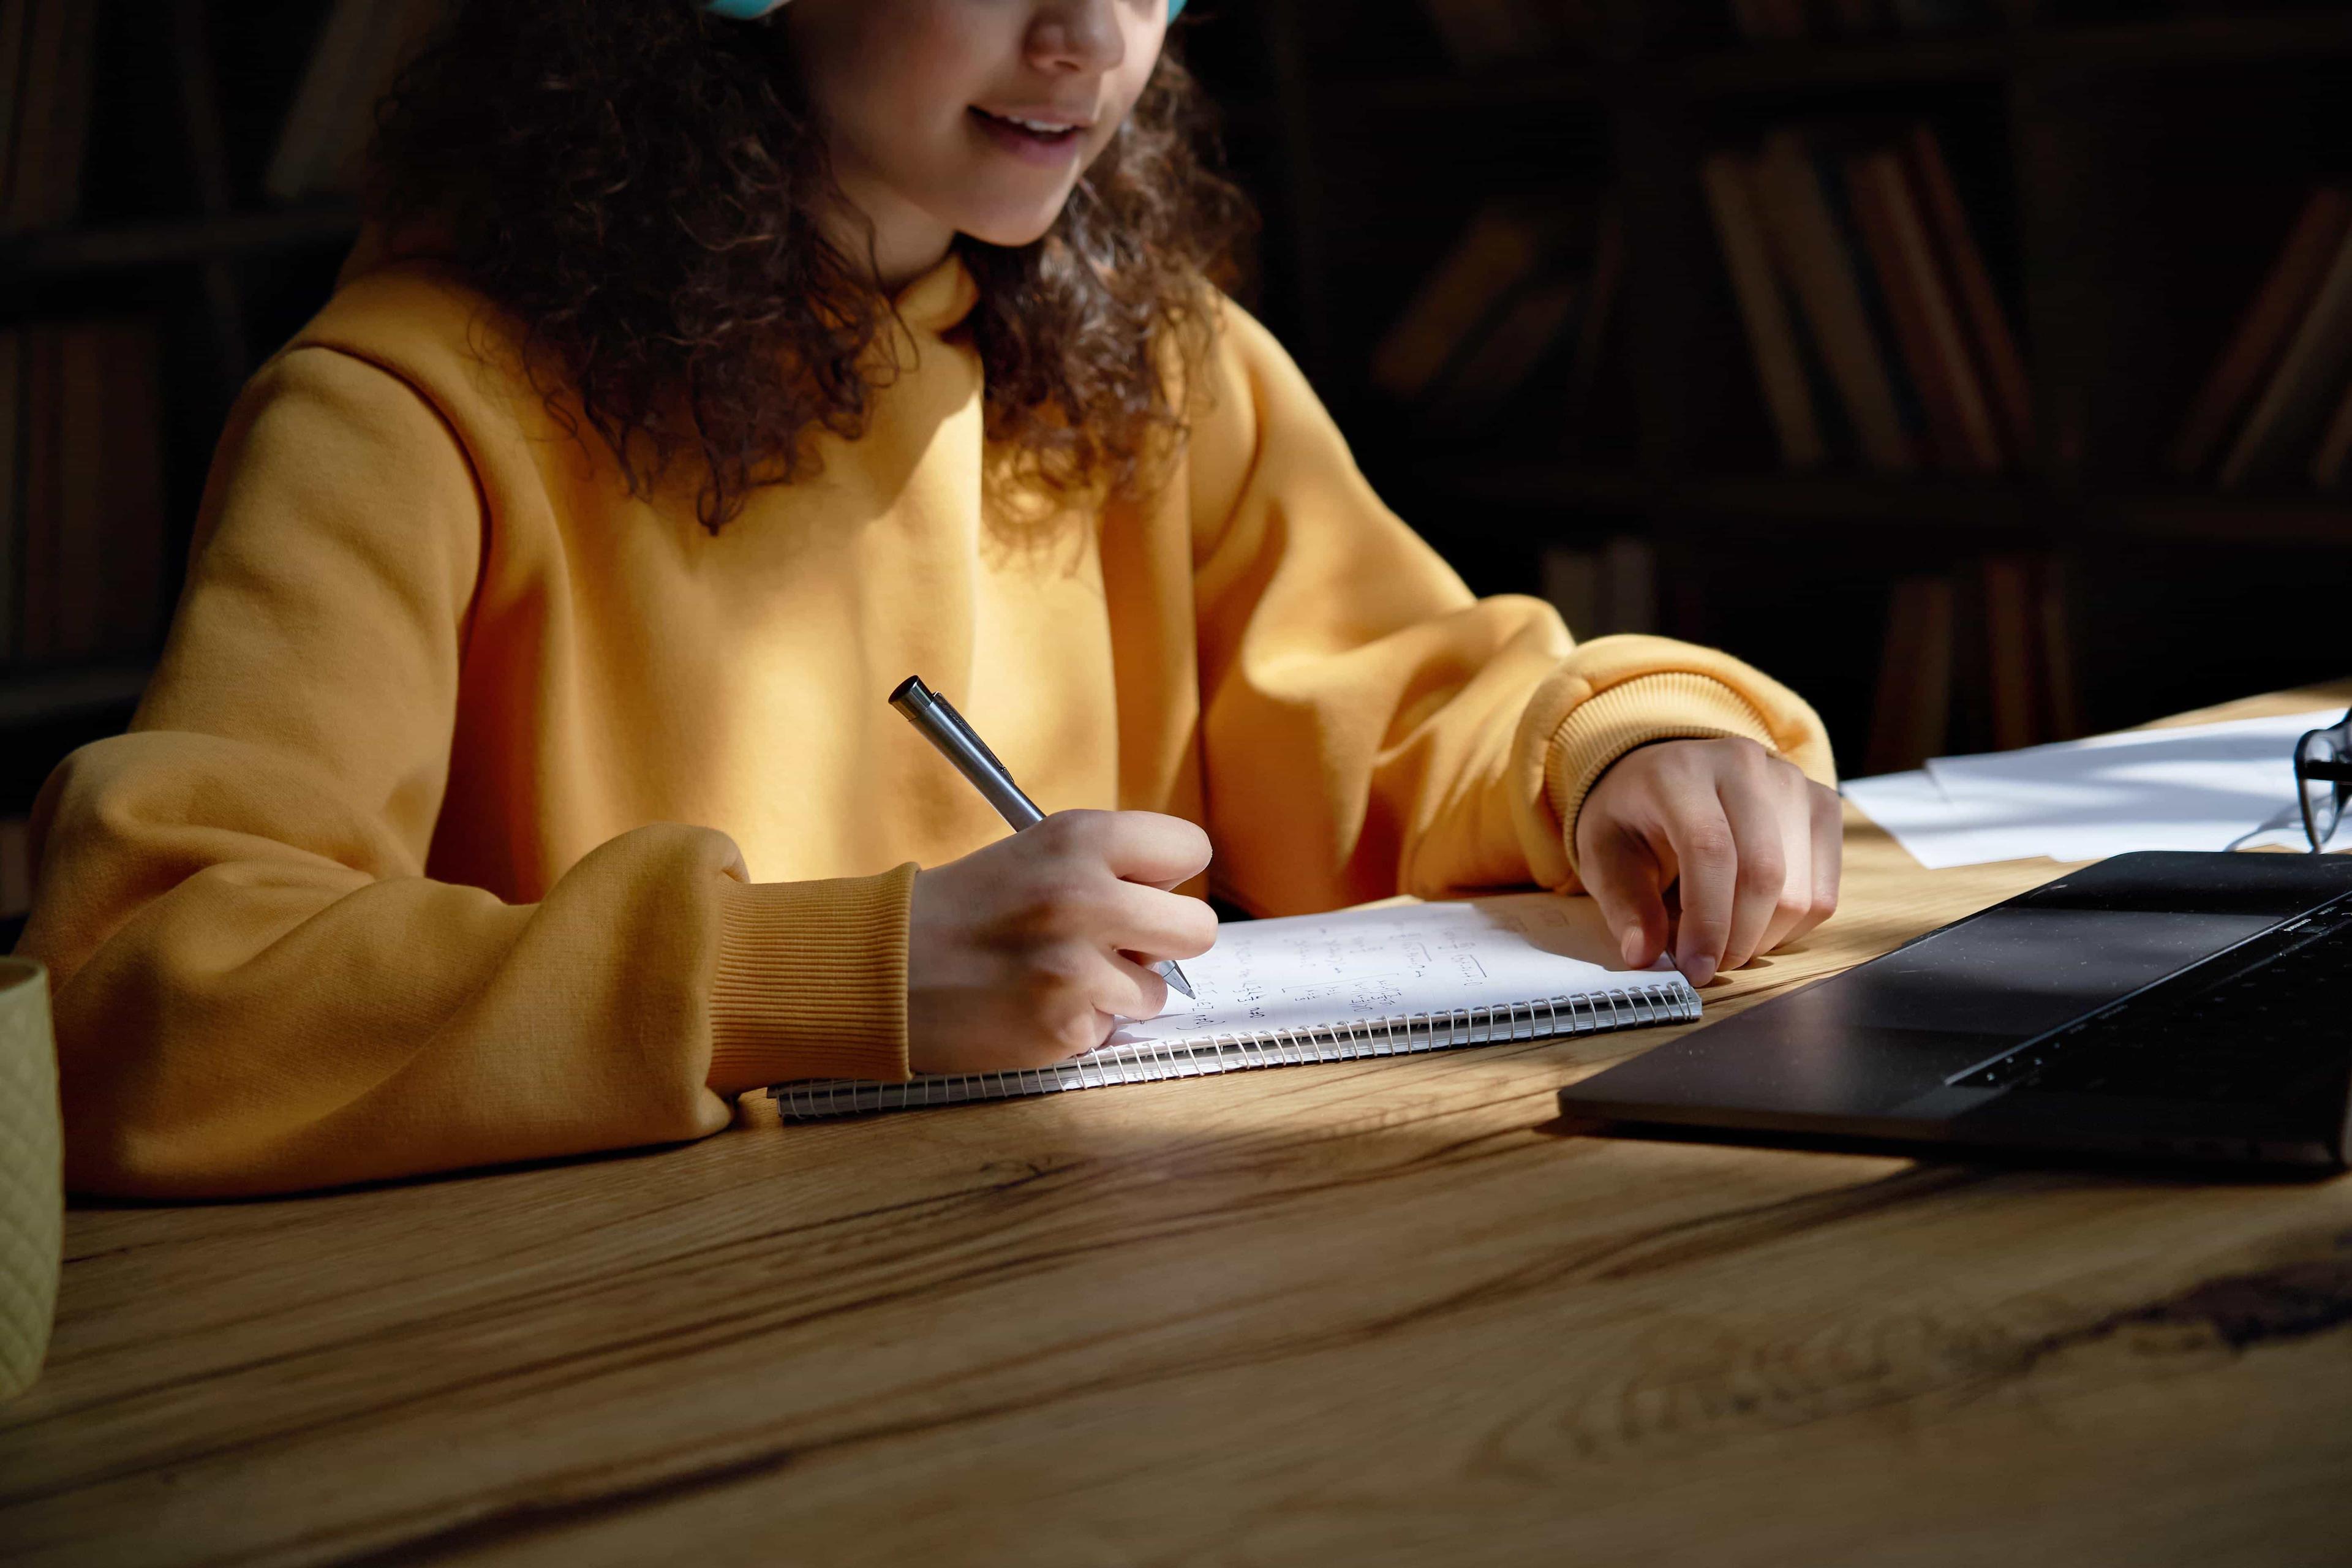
{"x":479,"y":812}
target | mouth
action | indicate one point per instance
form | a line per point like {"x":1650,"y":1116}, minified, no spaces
{"x":1036,"y":136}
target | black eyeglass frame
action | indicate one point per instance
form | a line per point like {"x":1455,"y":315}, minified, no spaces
{"x":2335,"y":769}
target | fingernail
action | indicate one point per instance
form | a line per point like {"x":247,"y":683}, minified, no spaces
{"x":1699,"y":970}
{"x":1630,"y":944}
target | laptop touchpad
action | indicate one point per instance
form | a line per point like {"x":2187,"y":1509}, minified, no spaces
{"x":1874,"y":1038}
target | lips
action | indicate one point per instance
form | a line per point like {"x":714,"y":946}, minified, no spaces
{"x":1037,"y":125}
{"x":1039,"y":136}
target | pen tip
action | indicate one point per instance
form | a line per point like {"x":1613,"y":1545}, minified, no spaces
{"x":1175,"y":977}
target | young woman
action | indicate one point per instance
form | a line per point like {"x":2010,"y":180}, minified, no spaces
{"x":517,"y":779}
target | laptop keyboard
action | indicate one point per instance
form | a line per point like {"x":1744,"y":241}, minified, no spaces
{"x":2260,"y":1021}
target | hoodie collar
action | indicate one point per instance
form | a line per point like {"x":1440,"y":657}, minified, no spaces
{"x":940,"y":299}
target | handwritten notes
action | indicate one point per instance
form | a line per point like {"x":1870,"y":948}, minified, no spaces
{"x":1304,"y":973}
{"x":1380,"y":980}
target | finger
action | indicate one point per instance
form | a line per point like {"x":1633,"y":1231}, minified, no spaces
{"x":1152,"y":924}
{"x":1131,"y":991}
{"x":1761,"y":867}
{"x":1622,"y":874}
{"x":1144,"y":847}
{"x":1706,"y":859}
{"x":1086,"y":1028}
{"x":1828,"y":852}
{"x":1793,"y":808}
{"x":1120,"y":988}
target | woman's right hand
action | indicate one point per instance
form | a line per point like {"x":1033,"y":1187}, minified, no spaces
{"x":1027,"y":952}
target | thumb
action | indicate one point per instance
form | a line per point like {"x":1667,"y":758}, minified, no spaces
{"x":1626,"y":879}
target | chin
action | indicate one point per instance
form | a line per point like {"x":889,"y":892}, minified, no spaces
{"x":1012,"y":228}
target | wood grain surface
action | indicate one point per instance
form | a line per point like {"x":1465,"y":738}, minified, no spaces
{"x":1379,"y":1312}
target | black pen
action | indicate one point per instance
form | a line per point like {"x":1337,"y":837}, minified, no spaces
{"x":945,"y":728}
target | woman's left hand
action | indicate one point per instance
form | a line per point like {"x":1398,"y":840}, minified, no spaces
{"x":1751,"y":844}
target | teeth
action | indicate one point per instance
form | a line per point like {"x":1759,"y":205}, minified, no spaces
{"x":1040,"y":127}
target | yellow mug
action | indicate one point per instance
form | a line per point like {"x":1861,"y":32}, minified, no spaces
{"x":32,"y":1173}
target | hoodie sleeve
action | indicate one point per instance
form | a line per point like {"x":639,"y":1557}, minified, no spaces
{"x":256,"y":984}
{"x":1369,"y":728}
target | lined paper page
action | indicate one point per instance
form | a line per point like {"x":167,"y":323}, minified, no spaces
{"x":1380,"y":980}
{"x":1305,"y":972}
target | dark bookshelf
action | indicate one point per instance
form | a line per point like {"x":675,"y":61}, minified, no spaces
{"x":171,"y":229}
{"x":2020,"y":46}
{"x":1986,"y":506}
{"x":2131,"y":168}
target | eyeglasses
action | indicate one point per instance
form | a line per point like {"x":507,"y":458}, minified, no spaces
{"x":2322,"y":779}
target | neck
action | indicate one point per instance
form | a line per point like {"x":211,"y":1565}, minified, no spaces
{"x":904,"y":241}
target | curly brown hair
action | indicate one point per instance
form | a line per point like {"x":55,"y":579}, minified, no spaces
{"x":643,"y":187}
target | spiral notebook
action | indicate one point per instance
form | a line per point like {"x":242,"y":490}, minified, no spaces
{"x":1377,"y":981}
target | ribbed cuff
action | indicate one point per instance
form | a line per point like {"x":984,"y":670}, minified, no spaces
{"x":1671,"y":706}
{"x":811,"y":981}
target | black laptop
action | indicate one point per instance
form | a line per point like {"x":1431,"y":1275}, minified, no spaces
{"x":2174,"y":1006}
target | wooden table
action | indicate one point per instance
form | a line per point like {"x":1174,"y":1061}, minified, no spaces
{"x":1389,"y":1312}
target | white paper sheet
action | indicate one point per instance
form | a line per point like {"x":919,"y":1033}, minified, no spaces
{"x":2202,"y":786}
{"x":1935,"y":831}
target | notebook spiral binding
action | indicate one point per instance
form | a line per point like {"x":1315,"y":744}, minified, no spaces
{"x":1557,"y":1017}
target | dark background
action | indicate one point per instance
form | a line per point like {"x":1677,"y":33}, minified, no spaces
{"x":2131,"y":169}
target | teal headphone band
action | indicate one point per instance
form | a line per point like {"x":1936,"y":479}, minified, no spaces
{"x":745,"y":10}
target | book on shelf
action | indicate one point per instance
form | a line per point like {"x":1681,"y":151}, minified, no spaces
{"x":1604,"y":589}
{"x":1804,"y":235}
{"x":1927,"y":323}
{"x":1562,"y":311}
{"x":2273,"y":314}
{"x":2027,"y":593}
{"x":81,"y":492}
{"x":2277,"y":393}
{"x":1996,"y":344}
{"x":49,"y":57}
{"x":1829,"y":150}
{"x":1866,"y":304}
{"x":2012,"y":647}
{"x":1911,"y":711}
{"x":2303,"y":386}
{"x":361,"y":47}
{"x":1755,"y":284}
{"x":1526,"y":329}
{"x":1994,"y":641}
{"x":1530,"y":281}
{"x":1501,"y":248}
